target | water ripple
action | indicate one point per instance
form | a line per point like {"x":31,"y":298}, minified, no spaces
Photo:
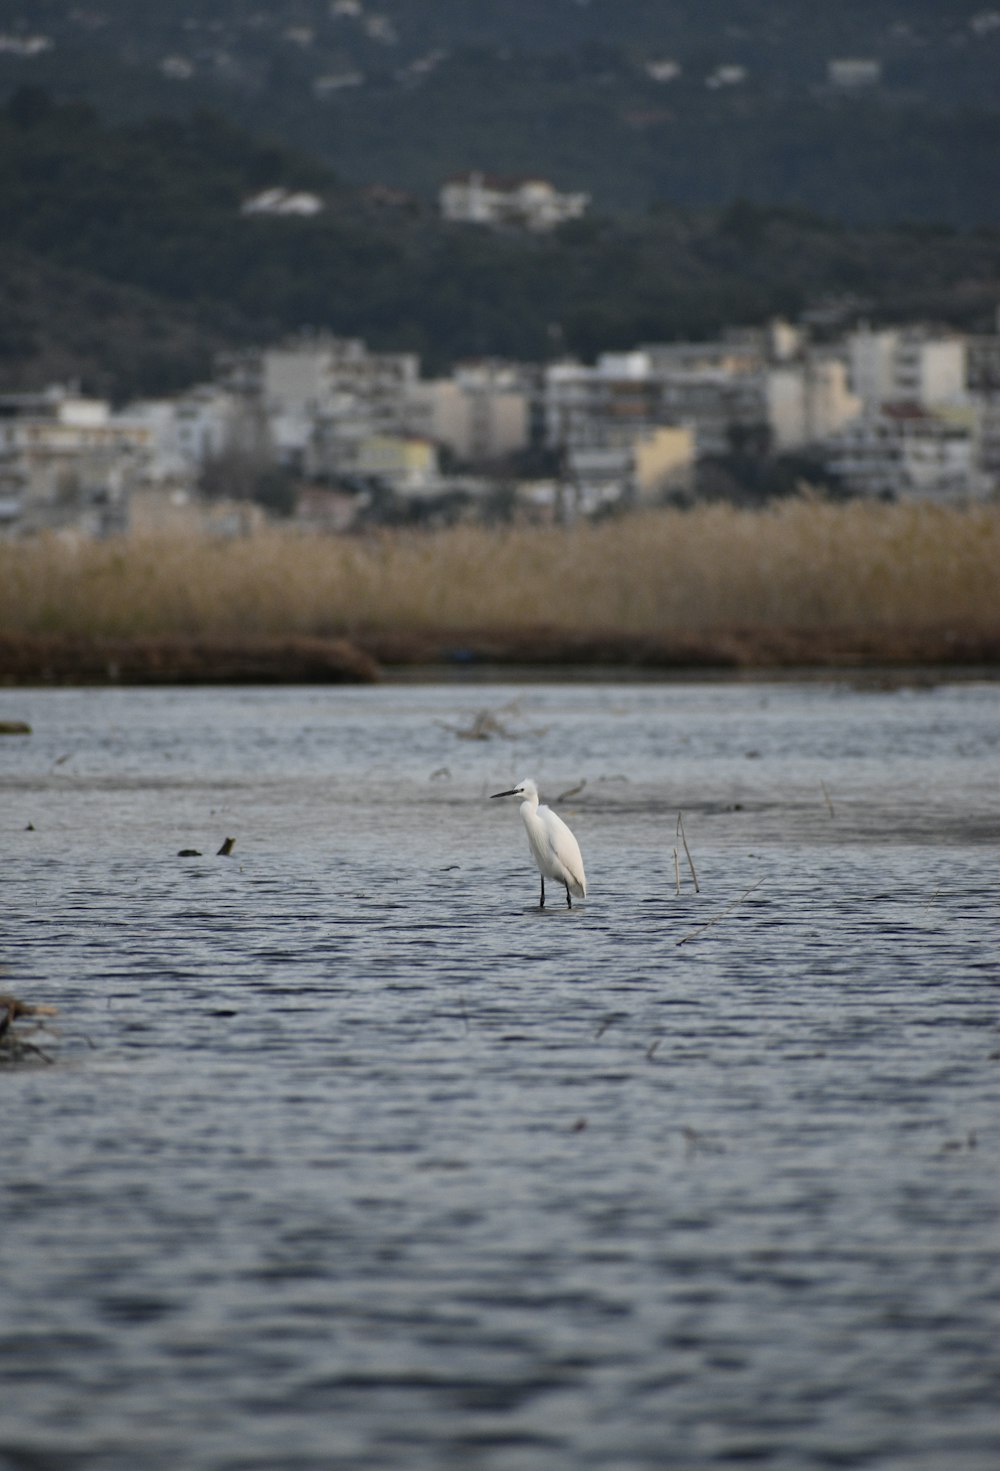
{"x":351,"y":1157}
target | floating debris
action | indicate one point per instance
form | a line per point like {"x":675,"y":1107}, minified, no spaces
{"x":14,"y":1044}
{"x":485,"y":724}
{"x":14,"y":727}
{"x":697,"y":1142}
{"x":190,"y":853}
{"x":227,"y":848}
{"x":483,"y":727}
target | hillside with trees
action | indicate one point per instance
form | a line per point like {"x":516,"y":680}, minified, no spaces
{"x":689,"y":104}
{"x":128,"y":260}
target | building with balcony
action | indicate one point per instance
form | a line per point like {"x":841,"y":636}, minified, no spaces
{"x":903,"y":452}
{"x":68,"y":462}
{"x":907,"y":366}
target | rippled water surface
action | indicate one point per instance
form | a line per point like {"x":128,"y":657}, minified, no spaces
{"x":350,"y":1157}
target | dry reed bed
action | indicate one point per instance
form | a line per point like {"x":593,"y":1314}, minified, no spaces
{"x":802,"y":564}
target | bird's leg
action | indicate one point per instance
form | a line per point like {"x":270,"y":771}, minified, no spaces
{"x":569,"y":901}
{"x":541,"y":902}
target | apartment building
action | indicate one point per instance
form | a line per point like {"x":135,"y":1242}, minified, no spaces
{"x":808,"y":401}
{"x":904,"y":452}
{"x":713,"y":394}
{"x":642,"y":469}
{"x":321,"y":396}
{"x":67,"y":461}
{"x":908,"y":366}
{"x":482,"y":414}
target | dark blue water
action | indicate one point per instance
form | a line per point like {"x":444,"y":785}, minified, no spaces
{"x":349,"y":1157}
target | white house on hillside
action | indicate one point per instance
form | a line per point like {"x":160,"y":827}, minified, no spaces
{"x":280,"y":201}
{"x":532,"y":203}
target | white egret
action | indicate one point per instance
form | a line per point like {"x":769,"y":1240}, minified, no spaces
{"x":553,"y":847}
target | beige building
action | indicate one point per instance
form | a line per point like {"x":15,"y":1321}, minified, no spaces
{"x":638,"y":470}
{"x":482,"y":414}
{"x":407,"y":465}
{"x":808,"y":401}
{"x":663,"y":463}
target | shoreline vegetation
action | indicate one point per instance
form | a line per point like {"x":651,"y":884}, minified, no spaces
{"x":802,"y":583}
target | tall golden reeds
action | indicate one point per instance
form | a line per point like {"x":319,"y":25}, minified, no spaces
{"x":799,"y":564}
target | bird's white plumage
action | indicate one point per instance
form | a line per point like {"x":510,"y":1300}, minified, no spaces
{"x":553,"y":847}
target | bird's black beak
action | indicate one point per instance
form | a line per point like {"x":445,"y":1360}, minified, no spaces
{"x":511,"y":793}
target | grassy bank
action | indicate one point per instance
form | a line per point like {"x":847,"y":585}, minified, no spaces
{"x":800,"y":567}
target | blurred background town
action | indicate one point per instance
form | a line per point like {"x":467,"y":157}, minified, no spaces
{"x":336,"y":264}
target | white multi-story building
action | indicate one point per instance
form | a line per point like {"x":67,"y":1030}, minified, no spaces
{"x":902,"y":452}
{"x":715,"y":390}
{"x":590,"y":407}
{"x":68,"y":461}
{"x":194,"y":428}
{"x":984,"y":396}
{"x":987,"y":412}
{"x":319,"y":374}
{"x":912,"y":367}
{"x":719,"y":406}
{"x":321,"y":395}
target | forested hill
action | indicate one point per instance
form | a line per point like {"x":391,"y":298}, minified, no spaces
{"x":684,"y":103}
{"x":126,"y":259}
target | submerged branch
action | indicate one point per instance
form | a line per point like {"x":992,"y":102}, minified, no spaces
{"x":14,"y":1044}
{"x":694,"y":934}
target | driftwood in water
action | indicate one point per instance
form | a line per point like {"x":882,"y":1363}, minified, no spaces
{"x":14,"y":1044}
{"x":227,"y":847}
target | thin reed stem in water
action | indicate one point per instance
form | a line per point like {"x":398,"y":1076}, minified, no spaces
{"x":687,"y":851}
{"x":694,"y":934}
